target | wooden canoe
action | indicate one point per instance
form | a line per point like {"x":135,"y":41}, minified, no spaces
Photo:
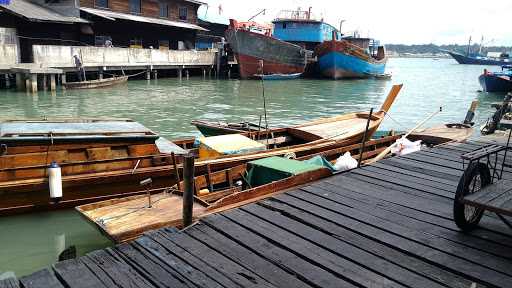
{"x":127,"y":218}
{"x":98,"y":83}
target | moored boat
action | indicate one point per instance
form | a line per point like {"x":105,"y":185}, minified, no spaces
{"x":127,"y":218}
{"x":351,"y":57}
{"x":500,"y":81}
{"x":98,"y":159}
{"x":98,"y":83}
{"x":258,"y":53}
{"x":278,"y":76}
{"x":477,"y":59}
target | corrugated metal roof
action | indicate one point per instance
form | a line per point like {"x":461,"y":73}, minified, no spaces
{"x":115,"y":15}
{"x":36,"y":13}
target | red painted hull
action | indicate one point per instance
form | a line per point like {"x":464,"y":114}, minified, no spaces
{"x":249,"y":67}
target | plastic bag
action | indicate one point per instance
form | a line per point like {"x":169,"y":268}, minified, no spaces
{"x":345,"y":162}
{"x":404,"y":146}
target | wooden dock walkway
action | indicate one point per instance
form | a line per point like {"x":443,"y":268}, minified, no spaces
{"x":385,"y":225}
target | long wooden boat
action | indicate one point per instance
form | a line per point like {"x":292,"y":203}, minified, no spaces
{"x":127,"y":218}
{"x":329,"y":125}
{"x":439,"y":134}
{"x":98,"y":83}
{"x":100,"y":164}
{"x":99,"y":158}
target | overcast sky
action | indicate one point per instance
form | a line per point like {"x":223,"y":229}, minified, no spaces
{"x":397,"y":21}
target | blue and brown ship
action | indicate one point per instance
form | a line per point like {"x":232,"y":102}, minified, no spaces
{"x":351,"y":57}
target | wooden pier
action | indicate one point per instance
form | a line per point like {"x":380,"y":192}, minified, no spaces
{"x":385,"y":225}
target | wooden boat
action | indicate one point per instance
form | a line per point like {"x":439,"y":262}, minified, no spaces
{"x":98,"y":83}
{"x":127,"y":218}
{"x":99,"y":158}
{"x":278,"y":76}
{"x":353,"y":121}
{"x":456,"y":132}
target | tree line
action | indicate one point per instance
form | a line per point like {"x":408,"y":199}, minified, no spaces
{"x":435,"y":49}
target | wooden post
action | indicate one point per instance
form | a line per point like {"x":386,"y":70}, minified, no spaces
{"x":148,"y":74}
{"x":20,"y":81}
{"x":204,"y":73}
{"x":217,"y":62}
{"x":7,"y":81}
{"x":155,"y":74}
{"x":63,"y":78}
{"x":187,"y":73}
{"x":33,"y":83}
{"x":52,"y":82}
{"x":100,"y":74}
{"x":209,"y":177}
{"x":27,"y":84}
{"x":363,"y":142}
{"x":176,"y":170}
{"x":180,"y":74}
{"x":45,"y":82}
{"x":188,"y":193}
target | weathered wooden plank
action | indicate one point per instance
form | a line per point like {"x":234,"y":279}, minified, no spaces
{"x":151,"y":270}
{"x":384,"y":166}
{"x":304,"y":269}
{"x":121,"y":273}
{"x":451,"y":255}
{"x":9,"y":283}
{"x":312,"y":251}
{"x":73,"y":273}
{"x":228,"y":247}
{"x":231,"y":269}
{"x":186,"y":265}
{"x":41,"y":279}
{"x":426,"y":168}
{"x":351,"y":252}
{"x":396,"y":256}
{"x":452,"y":235}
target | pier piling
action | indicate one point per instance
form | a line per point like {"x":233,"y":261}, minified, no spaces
{"x":33,"y":83}
{"x":53,"y":83}
{"x":148,"y":74}
{"x":188,"y":195}
{"x":20,"y":81}
{"x":155,"y":74}
{"x":180,"y":74}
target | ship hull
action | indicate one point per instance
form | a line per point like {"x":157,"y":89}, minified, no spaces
{"x":278,"y":57}
{"x":493,"y":83}
{"x":334,"y":61}
{"x":462,"y":59}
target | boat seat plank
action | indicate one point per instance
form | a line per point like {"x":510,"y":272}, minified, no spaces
{"x":332,"y":130}
{"x":41,"y":279}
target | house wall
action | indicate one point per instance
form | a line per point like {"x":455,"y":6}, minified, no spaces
{"x":150,"y":8}
{"x":8,"y":54}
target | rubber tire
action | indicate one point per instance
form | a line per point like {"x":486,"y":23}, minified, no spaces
{"x":462,"y":190}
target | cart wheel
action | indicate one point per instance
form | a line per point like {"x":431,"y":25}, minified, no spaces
{"x":475,"y":177}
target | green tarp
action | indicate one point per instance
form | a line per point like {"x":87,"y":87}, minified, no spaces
{"x":271,"y":169}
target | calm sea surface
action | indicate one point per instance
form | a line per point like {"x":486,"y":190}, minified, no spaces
{"x":31,"y":242}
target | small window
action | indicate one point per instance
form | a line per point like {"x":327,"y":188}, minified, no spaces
{"x":164,"y":10}
{"x":101,"y":3}
{"x":135,"y":6}
{"x":183,"y":13}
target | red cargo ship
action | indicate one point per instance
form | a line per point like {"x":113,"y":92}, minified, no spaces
{"x":252,"y":43}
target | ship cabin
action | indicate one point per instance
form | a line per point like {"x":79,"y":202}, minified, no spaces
{"x":302,"y":28}
{"x":157,"y":24}
{"x":371,"y":46}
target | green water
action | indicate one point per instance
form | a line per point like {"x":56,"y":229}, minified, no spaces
{"x":30,"y":242}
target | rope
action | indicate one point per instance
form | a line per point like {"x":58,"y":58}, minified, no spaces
{"x":396,"y":122}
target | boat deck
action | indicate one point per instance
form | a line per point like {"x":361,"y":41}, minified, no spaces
{"x":385,"y":225}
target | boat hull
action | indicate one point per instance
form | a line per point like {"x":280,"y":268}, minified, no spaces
{"x":493,"y":83}
{"x":462,"y":59}
{"x":278,"y":57}
{"x":339,"y":59}
{"x":100,"y":83}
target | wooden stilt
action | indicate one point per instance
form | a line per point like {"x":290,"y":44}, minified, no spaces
{"x":33,"y":83}
{"x":44,"y":85}
{"x":155,"y":74}
{"x":53,"y":84}
{"x":20,"y":81}
{"x":188,"y":194}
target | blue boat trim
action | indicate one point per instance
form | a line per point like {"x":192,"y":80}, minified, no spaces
{"x":338,"y":65}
